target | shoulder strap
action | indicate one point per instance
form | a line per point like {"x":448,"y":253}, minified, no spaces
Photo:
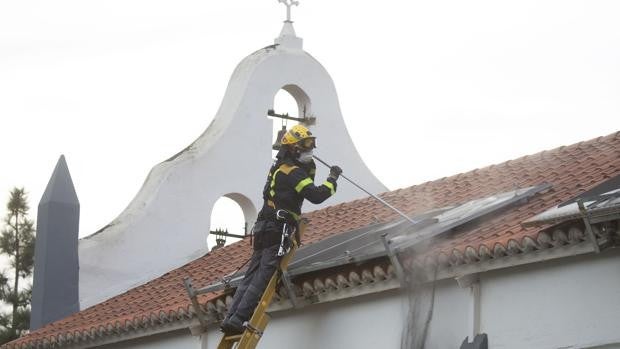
{"x":286,"y":168}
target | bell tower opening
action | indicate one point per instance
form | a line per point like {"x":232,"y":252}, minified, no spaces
{"x":283,"y":103}
{"x":292,"y":106}
{"x":232,"y":218}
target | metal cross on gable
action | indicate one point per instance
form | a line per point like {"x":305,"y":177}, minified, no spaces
{"x":288,"y":4}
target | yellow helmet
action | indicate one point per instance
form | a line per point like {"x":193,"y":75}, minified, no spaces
{"x":299,"y":135}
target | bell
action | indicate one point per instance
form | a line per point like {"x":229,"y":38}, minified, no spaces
{"x":278,"y":144}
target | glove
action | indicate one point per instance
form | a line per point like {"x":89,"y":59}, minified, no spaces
{"x":334,"y":172}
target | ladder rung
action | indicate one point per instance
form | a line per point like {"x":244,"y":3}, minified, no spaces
{"x":233,"y":338}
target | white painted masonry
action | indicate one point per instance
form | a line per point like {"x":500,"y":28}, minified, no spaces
{"x":568,"y":303}
{"x":166,"y":224}
{"x":372,"y":321}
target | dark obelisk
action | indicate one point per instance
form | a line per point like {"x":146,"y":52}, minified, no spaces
{"x":55,"y":291}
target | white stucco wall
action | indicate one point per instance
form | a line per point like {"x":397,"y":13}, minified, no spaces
{"x":569,"y":303}
{"x":166,"y":224}
{"x":372,"y":321}
{"x":452,"y":315}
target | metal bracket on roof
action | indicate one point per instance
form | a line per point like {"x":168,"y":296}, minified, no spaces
{"x":286,"y":280}
{"x":225,"y":283}
{"x":586,"y":221}
{"x":187,"y":282}
{"x":398,"y":268}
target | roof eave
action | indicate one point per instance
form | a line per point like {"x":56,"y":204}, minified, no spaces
{"x":515,"y":260}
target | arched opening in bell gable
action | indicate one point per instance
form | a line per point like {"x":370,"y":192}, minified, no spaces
{"x":293,"y":102}
{"x":232,"y":218}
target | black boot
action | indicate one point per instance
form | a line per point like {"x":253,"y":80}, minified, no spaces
{"x":232,"y":326}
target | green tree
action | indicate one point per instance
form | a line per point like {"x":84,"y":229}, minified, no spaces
{"x":17,"y":244}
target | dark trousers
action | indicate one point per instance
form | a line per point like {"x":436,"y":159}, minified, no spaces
{"x":263,"y":264}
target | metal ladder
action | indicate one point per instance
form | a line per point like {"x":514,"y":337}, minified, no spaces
{"x":259,"y":320}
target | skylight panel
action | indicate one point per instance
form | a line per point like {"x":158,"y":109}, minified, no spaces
{"x":601,"y":203}
{"x":464,"y":213}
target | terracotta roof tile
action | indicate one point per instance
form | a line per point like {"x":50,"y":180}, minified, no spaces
{"x":570,"y":169}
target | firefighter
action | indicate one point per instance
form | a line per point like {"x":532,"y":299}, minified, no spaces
{"x":290,"y":181}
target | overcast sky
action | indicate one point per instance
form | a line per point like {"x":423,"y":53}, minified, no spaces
{"x":427,"y":88}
